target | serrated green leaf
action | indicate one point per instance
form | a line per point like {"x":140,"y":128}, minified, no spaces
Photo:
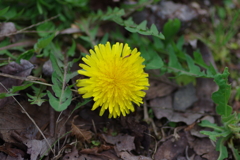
{"x":223,"y":153}
{"x":214,"y":135}
{"x":54,"y":102}
{"x":160,"y":35}
{"x":183,"y":80}
{"x":234,"y":150}
{"x":37,"y":98}
{"x":56,"y":84}
{"x":173,"y":61}
{"x":67,"y":94}
{"x":221,"y":97}
{"x":192,"y":67}
{"x":131,"y":29}
{"x":142,"y":25}
{"x":43,"y":42}
{"x":129,"y":22}
{"x":154,"y":29}
{"x":206,"y":123}
{"x":171,"y":28}
{"x":231,"y":119}
{"x":155,"y":62}
{"x":57,"y":104}
{"x":71,"y":75}
{"x":55,"y":66}
{"x":198,"y":59}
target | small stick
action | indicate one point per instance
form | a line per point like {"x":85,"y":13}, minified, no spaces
{"x":34,"y":25}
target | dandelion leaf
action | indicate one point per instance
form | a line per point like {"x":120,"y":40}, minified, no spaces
{"x":222,"y":96}
{"x":171,"y":28}
{"x":3,"y":11}
{"x":223,"y":153}
{"x":173,"y":61}
{"x":37,"y":98}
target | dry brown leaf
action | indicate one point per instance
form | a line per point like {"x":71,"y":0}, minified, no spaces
{"x":122,"y":142}
{"x":172,"y":148}
{"x":38,"y":148}
{"x":12,"y":119}
{"x":73,"y":155}
{"x":80,"y":134}
{"x":162,"y":107}
{"x":128,"y":156}
{"x":158,"y":89}
{"x":22,"y":70}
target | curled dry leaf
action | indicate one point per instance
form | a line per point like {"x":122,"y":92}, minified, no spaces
{"x":80,"y":134}
{"x":122,"y":142}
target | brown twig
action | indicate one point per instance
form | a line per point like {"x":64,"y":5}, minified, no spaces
{"x":25,"y":43}
{"x":30,"y":79}
{"x":24,"y":29}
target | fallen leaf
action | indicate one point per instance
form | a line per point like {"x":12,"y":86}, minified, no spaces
{"x":204,"y":89}
{"x":158,"y":89}
{"x":38,"y":147}
{"x":184,"y":97}
{"x":128,"y":156}
{"x":80,"y":134}
{"x":172,"y":148}
{"x":122,"y":142}
{"x":13,"y":119}
{"x":162,"y":107}
{"x":73,"y":155}
{"x":204,"y":148}
{"x":22,"y":70}
{"x":139,"y":130}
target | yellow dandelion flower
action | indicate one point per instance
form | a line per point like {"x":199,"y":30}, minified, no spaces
{"x":116,"y":78}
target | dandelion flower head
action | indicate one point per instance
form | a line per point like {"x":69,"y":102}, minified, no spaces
{"x":115,"y":78}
